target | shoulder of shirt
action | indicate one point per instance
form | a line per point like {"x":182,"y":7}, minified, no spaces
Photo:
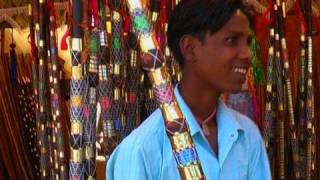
{"x":147,"y":133}
{"x":247,"y":125}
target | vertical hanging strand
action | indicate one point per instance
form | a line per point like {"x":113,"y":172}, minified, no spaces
{"x":175,"y":123}
{"x":105,"y":84}
{"x":43,"y":116}
{"x":77,"y":94}
{"x":132,"y":97}
{"x":57,"y":132}
{"x":117,"y":65}
{"x":91,"y":108}
{"x":35,"y":77}
{"x":49,"y":123}
{"x":280,"y":100}
{"x":292,"y":126}
{"x":54,"y":170}
{"x":35,"y":60}
{"x":269,"y":109}
{"x":300,"y":103}
{"x":310,"y":149}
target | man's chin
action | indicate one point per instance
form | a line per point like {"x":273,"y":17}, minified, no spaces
{"x":242,"y":88}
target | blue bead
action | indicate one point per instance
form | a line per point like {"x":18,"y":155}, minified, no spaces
{"x":186,"y":156}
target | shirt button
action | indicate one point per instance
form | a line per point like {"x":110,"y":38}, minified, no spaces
{"x":232,"y":135}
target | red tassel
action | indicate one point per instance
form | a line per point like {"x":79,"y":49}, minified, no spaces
{"x":126,"y":24}
{"x":93,"y":12}
{"x":163,"y":11}
{"x":64,"y":44}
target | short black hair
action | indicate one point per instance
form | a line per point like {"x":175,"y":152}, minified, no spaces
{"x":197,"y":17}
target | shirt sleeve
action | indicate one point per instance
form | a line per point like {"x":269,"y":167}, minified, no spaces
{"x":127,"y":162}
{"x":259,"y":167}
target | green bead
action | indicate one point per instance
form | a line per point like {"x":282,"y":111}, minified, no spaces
{"x":116,"y":43}
{"x":94,"y":45}
{"x":140,"y":23}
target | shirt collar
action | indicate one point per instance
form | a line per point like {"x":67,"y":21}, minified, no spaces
{"x":226,"y":122}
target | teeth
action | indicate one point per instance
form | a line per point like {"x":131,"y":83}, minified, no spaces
{"x":240,"y":70}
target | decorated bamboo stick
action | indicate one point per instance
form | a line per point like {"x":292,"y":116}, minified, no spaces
{"x":300,"y":103}
{"x":57,"y":132}
{"x":118,"y":66}
{"x":132,"y":94}
{"x":285,"y":56}
{"x":105,"y":83}
{"x":269,"y":109}
{"x":310,"y":138}
{"x":280,"y":99}
{"x":175,"y":123}
{"x":53,"y":158}
{"x":91,"y":105}
{"x":281,"y":5}
{"x":77,"y":94}
{"x":43,"y":115}
{"x":35,"y":61}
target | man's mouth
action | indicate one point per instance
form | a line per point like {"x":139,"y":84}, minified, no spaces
{"x":240,"y":70}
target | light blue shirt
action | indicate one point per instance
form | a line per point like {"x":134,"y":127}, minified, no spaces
{"x":146,"y":153}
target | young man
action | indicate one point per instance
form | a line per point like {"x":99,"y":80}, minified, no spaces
{"x":210,"y":39}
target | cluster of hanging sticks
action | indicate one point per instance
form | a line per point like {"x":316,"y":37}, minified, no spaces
{"x":45,"y":70}
{"x":112,"y":77}
{"x":279,"y":104}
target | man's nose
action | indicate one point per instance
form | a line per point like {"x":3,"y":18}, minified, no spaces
{"x":245,"y":52}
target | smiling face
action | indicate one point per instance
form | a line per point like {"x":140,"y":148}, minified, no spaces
{"x":220,"y":62}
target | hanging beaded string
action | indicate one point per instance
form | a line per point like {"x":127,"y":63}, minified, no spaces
{"x":300,"y":104}
{"x":124,"y":73}
{"x":48,"y":84}
{"x":91,"y":104}
{"x":105,"y":83}
{"x":176,"y":126}
{"x":43,"y":116}
{"x":292,"y":129}
{"x":117,"y":59}
{"x":77,"y":95}
{"x":35,"y":105}
{"x":132,"y":98}
{"x":269,"y":108}
{"x":310,"y":136}
{"x":280,"y":99}
{"x":57,"y":132}
{"x":281,"y":5}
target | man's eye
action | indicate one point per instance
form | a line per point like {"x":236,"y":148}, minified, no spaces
{"x":232,"y":40}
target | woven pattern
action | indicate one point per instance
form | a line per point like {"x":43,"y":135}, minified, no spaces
{"x":91,"y":106}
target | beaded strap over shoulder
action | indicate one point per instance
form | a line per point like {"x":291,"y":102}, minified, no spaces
{"x":177,"y":128}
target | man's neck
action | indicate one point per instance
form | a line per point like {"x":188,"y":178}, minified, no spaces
{"x":201,"y":101}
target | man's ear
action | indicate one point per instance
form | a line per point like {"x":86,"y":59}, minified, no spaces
{"x":187,"y":44}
